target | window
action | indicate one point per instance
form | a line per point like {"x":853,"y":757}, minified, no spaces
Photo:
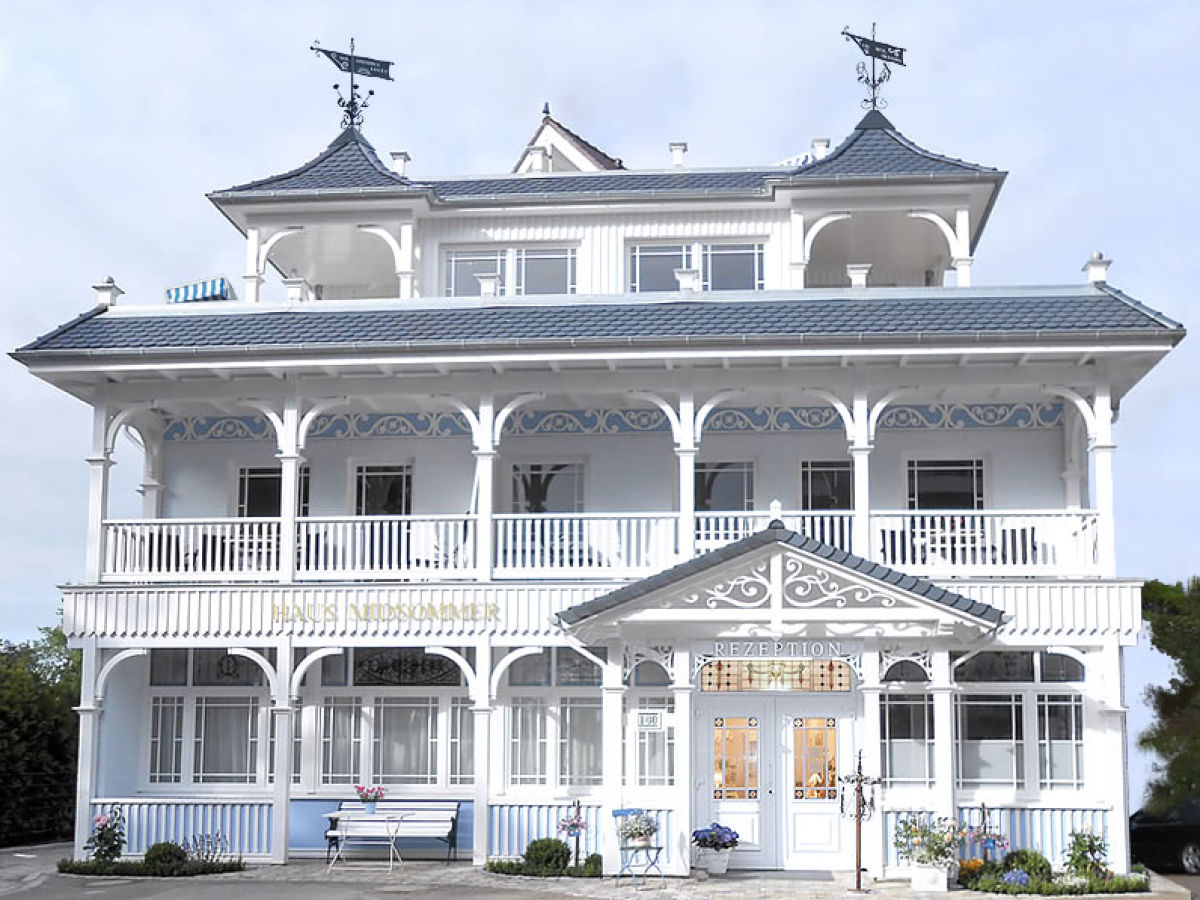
{"x":827,"y":485}
{"x":383,"y":491}
{"x":1060,"y":740}
{"x":341,"y":740}
{"x":573,"y":669}
{"x":168,"y":667}
{"x":260,"y":492}
{"x":166,"y":739}
{"x":652,"y":266}
{"x":656,"y":749}
{"x":400,"y":666}
{"x":906,"y":724}
{"x":462,"y":741}
{"x":530,"y":671}
{"x":226,"y":750}
{"x":579,"y":740}
{"x":945,"y":484}
{"x":650,"y":674}
{"x":548,"y":487}
{"x":545,"y":270}
{"x":216,"y":668}
{"x":990,"y":741}
{"x":905,"y":670}
{"x":730,"y":267}
{"x":527,"y":741}
{"x":724,"y":486}
{"x":1058,"y":667}
{"x":463,"y":267}
{"x":405,"y":740}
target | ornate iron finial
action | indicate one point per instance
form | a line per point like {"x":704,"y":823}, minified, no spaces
{"x":354,"y":103}
{"x":546,"y":108}
{"x":876,"y":50}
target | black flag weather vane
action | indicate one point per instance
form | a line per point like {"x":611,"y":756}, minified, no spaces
{"x":354,"y":103}
{"x":874,"y":78}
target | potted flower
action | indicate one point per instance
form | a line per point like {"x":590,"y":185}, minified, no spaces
{"x":932,"y":846}
{"x":370,"y":795}
{"x":574,"y":826}
{"x":637,"y":830}
{"x":715,"y":842}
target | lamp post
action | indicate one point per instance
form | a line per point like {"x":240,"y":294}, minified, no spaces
{"x":864,"y":808}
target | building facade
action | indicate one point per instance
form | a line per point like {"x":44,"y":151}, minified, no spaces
{"x":683,"y":489}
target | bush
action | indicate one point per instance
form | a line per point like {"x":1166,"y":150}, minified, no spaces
{"x":593,"y":867}
{"x":164,"y":856}
{"x":505,"y":866}
{"x":136,"y":869}
{"x":1124,"y":884}
{"x":547,"y":856}
{"x":1086,"y":855}
{"x":1030,"y":861}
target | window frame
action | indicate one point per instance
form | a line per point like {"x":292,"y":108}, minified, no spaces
{"x":908,"y":698}
{"x":355,"y":489}
{"x":978,"y":465}
{"x":242,"y":475}
{"x":744,"y":467}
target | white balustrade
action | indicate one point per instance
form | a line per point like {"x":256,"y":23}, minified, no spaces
{"x":716,"y":529}
{"x":190,"y":549}
{"x":233,"y":827}
{"x":986,"y":542}
{"x":551,"y":545}
{"x":350,"y":547}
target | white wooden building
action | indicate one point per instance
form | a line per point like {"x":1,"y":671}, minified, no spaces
{"x":673,"y":488}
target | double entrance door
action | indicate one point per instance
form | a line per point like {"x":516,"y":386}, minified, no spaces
{"x":770,"y":771}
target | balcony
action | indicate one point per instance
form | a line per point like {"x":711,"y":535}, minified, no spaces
{"x":619,"y":546}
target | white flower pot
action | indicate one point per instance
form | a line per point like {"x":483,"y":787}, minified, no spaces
{"x":931,"y":879}
{"x":715,"y":862}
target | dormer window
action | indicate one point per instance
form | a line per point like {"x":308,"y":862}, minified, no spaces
{"x":463,"y":267}
{"x":521,"y":270}
{"x":545,"y":270}
{"x":723,"y":267}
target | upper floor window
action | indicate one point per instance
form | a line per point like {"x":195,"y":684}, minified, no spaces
{"x":652,"y":266}
{"x":545,"y":270}
{"x":826,"y":484}
{"x":260,"y":490}
{"x":945,"y":484}
{"x":731,"y":267}
{"x":548,"y":487}
{"x":463,"y":267}
{"x":724,"y":486}
{"x":383,"y":491}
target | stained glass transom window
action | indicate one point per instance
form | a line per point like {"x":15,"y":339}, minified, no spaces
{"x":815,"y":744}
{"x":813,"y":675}
{"x":735,"y":758}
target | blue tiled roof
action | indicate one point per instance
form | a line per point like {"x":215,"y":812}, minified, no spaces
{"x":835,"y":316}
{"x":776,"y":533}
{"x":873,"y":150}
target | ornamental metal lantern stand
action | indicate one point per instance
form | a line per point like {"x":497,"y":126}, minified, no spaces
{"x":864,"y":808}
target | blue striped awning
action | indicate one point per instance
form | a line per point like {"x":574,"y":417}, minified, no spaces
{"x":196,"y":291}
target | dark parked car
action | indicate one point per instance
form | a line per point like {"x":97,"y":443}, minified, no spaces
{"x":1169,"y":840}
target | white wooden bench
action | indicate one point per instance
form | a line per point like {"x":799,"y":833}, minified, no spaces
{"x":392,"y":821}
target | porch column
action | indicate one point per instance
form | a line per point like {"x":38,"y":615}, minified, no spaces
{"x":1101,"y":448}
{"x":252,"y":280}
{"x":942,"y":797}
{"x":612,"y":696}
{"x":290,"y":461}
{"x":860,"y":453}
{"x":404,"y":264}
{"x":481,"y":712}
{"x":282,"y":718}
{"x":1107,"y":668}
{"x":89,"y":733}
{"x":485,"y":475}
{"x":152,"y":487}
{"x":681,"y":693}
{"x":685,"y":453}
{"x":99,"y":463}
{"x":872,"y":760}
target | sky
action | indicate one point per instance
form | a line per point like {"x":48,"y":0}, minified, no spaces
{"x":120,"y":116}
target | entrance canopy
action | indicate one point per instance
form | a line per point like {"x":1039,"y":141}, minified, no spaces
{"x":778,"y":583}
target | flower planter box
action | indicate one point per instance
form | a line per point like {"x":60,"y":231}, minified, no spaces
{"x":715,"y":862}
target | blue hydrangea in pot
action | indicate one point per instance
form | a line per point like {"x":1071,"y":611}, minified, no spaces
{"x":714,"y":842}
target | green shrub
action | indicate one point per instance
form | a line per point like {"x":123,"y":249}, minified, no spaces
{"x":136,"y":869}
{"x":593,"y":867}
{"x":1029,"y":861}
{"x":165,"y":856}
{"x":547,"y":856}
{"x":1086,"y":855}
{"x":505,"y":866}
{"x":1120,"y":884}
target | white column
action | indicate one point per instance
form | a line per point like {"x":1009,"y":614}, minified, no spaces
{"x":681,"y":691}
{"x":482,"y":714}
{"x":282,"y":712}
{"x":89,"y":733}
{"x":404,"y":265}
{"x":685,"y":452}
{"x":485,"y":473}
{"x":1101,"y":448}
{"x":860,"y":453}
{"x":962,"y":249}
{"x":873,"y":837}
{"x":152,"y":487}
{"x":797,"y":261}
{"x":943,"y":795}
{"x":612,"y":696}
{"x":962,"y":270}
{"x":252,"y":280}
{"x":290,"y":462}
{"x":99,"y":462}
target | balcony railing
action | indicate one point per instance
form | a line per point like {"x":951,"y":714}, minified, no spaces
{"x":583,"y":545}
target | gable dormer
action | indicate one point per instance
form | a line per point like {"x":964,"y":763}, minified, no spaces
{"x":555,"y":148}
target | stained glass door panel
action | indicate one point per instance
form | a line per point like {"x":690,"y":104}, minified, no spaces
{"x":813,"y":763}
{"x":740,"y":787}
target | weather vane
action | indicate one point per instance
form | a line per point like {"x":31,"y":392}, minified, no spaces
{"x":876,"y":50}
{"x":354,"y":103}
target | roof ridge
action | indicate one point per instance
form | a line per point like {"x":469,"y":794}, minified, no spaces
{"x":610,"y":162}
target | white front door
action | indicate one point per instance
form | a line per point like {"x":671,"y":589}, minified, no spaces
{"x":768,"y":767}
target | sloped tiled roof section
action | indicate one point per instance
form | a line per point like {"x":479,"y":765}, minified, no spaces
{"x":349,"y":163}
{"x":776,"y":533}
{"x":831,"y":317}
{"x":876,"y":149}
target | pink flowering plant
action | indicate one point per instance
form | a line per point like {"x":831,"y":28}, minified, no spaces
{"x":927,"y":841}
{"x":573,"y":824}
{"x":370,"y":793}
{"x":108,"y":835}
